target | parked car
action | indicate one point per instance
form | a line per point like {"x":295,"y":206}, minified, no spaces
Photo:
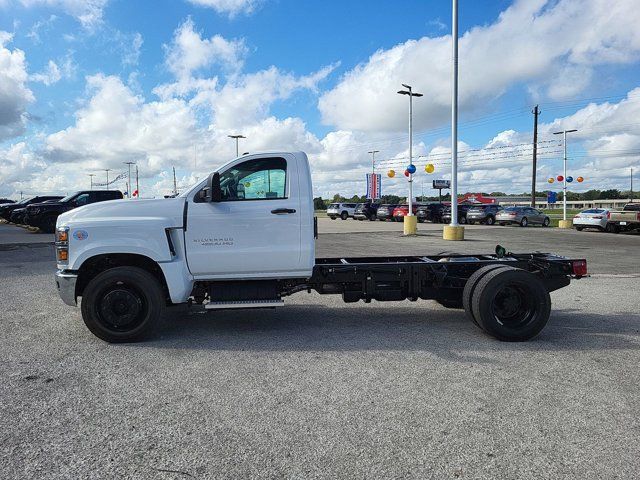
{"x":522,"y":216}
{"x":402,"y":211}
{"x":342,"y":210}
{"x":366,"y":211}
{"x":44,"y":215}
{"x":5,"y":210}
{"x":17,"y":216}
{"x":592,"y":218}
{"x":4,"y":201}
{"x":385,"y":211}
{"x":431,"y":212}
{"x":462,"y":214}
{"x":624,"y":221}
{"x":483,"y":214}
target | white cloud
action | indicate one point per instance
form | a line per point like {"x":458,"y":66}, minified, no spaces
{"x":49,"y":76}
{"x":553,"y":44}
{"x":132,"y":49}
{"x":14,"y":93}
{"x":88,"y":12}
{"x":189,"y":52}
{"x":229,"y":7}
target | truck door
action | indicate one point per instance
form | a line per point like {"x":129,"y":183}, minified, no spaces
{"x":255,"y":231}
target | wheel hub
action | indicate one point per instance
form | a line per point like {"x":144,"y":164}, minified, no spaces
{"x":120,"y":307}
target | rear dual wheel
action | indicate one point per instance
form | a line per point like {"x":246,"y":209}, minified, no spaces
{"x":508,"y":303}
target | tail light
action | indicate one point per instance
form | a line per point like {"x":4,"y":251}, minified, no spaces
{"x":608,"y":215}
{"x":579,"y":268}
{"x":576,"y":216}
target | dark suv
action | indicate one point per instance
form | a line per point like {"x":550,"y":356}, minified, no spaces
{"x":431,"y":212}
{"x":483,"y":214}
{"x":366,"y":211}
{"x":45,"y":215}
{"x":385,"y":212}
{"x":462,"y":214}
{"x":7,"y":210}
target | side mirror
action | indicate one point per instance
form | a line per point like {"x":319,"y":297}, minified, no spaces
{"x":213,"y":190}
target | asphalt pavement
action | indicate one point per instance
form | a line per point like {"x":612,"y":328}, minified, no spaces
{"x":323,"y":389}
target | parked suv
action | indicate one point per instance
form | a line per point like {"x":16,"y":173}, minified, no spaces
{"x":385,"y":211}
{"x":522,"y":216}
{"x":483,"y":214}
{"x":342,"y":210}
{"x":44,"y":215}
{"x":366,"y":211}
{"x":6,"y":210}
{"x":430,"y":213}
{"x":462,"y":214}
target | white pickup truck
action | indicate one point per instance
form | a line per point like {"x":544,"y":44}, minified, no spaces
{"x":245,"y":238}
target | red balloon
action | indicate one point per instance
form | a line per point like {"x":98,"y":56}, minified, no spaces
{"x":406,"y":173}
{"x":560,"y":178}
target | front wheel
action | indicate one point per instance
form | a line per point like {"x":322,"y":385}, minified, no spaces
{"x":546,"y":222}
{"x":344,"y":215}
{"x":490,"y":220}
{"x":579,"y":229}
{"x":122,"y":304}
{"x":524,"y":222}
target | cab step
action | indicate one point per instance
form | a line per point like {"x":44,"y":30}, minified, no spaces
{"x":244,"y":304}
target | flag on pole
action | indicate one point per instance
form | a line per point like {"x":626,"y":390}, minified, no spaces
{"x":374,"y":184}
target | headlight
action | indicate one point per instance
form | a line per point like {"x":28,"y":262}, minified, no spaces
{"x":62,"y":244}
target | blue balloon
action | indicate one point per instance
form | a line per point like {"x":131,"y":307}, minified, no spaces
{"x":569,"y":179}
{"x":411,"y":169}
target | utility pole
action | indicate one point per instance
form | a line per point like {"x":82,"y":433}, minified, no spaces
{"x":631,"y":178}
{"x":91,"y":175}
{"x":535,"y":112}
{"x":137,"y":184}
{"x":107,"y":170}
{"x":236,"y":137}
{"x":129,"y":187}
{"x":564,"y":183}
{"x":175,"y":188}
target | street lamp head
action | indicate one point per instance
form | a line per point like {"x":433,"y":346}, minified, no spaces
{"x":404,"y":92}
{"x":406,"y":86}
{"x":236,"y":136}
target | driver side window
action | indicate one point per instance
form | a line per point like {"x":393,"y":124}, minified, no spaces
{"x":82,"y":199}
{"x":258,"y":179}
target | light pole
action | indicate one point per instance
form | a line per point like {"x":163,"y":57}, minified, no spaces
{"x":129,"y":185}
{"x":410,"y":227}
{"x":236,"y":137}
{"x":91,"y":175}
{"x":373,"y":160}
{"x":454,"y":231}
{"x":107,"y":170}
{"x":564,"y":223}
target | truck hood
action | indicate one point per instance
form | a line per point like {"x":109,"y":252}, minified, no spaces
{"x":167,"y":211}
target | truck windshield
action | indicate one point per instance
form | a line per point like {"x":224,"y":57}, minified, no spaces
{"x":68,"y":198}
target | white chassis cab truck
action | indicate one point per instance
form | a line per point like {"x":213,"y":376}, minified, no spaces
{"x":245,"y":238}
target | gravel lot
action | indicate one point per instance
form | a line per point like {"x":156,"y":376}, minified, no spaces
{"x":322,"y":389}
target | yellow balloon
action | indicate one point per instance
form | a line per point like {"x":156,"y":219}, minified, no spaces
{"x":551,"y":180}
{"x":391,"y":173}
{"x":429,"y":168}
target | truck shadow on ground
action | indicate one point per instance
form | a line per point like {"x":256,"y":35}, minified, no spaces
{"x":446,"y":333}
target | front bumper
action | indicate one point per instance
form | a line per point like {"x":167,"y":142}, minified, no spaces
{"x":66,"y":283}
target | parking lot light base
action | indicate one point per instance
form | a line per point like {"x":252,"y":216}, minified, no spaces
{"x":410,"y":225}
{"x":453,"y":233}
{"x":565,"y":224}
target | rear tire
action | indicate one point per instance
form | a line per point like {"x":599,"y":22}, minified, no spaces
{"x":579,"y":228}
{"x":611,"y":228}
{"x":344,"y":215}
{"x":546,"y":222}
{"x":49,"y":224}
{"x":490,"y":220}
{"x":511,"y":305}
{"x":524,"y":222}
{"x":462,"y":220}
{"x":470,"y":288}
{"x":122,"y":304}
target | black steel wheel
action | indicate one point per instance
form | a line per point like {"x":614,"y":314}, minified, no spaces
{"x":122,"y":304}
{"x":470,"y":288}
{"x":511,"y":305}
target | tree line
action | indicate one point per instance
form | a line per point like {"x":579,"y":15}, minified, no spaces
{"x":320,"y":203}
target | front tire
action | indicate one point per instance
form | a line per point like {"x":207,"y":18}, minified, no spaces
{"x":524,"y":222}
{"x":546,"y":222}
{"x":490,"y":220}
{"x":122,"y":304}
{"x":344,"y":215}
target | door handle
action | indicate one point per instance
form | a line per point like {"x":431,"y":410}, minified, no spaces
{"x":283,"y":211}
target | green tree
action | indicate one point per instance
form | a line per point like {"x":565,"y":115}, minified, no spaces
{"x":610,"y":194}
{"x":319,"y":204}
